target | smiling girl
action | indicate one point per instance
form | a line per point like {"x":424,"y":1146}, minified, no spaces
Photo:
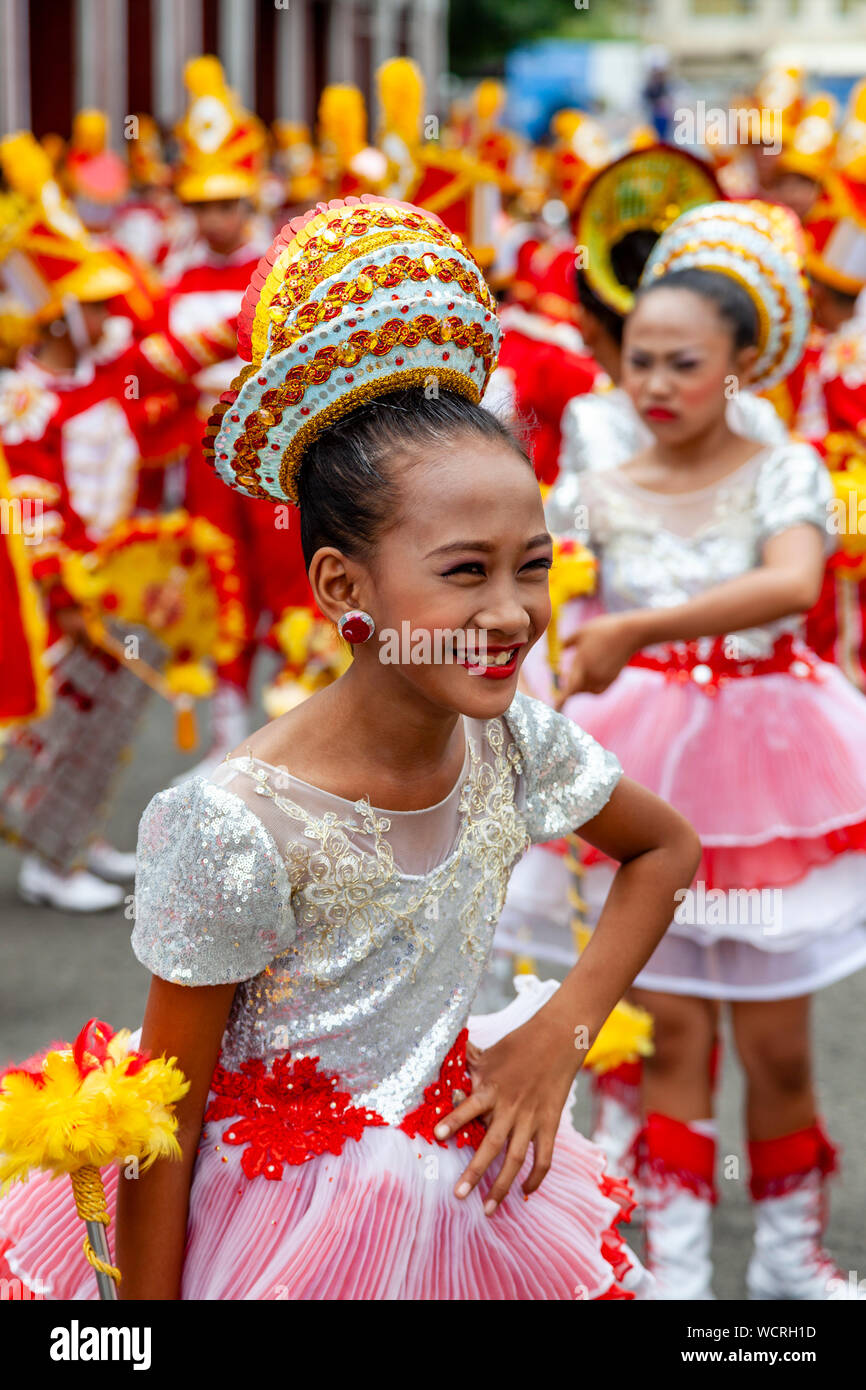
{"x":711,"y":547}
{"x":317,"y":913}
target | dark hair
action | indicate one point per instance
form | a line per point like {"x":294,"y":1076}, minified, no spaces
{"x":345,"y":489}
{"x":732,"y":302}
{"x":628,"y":257}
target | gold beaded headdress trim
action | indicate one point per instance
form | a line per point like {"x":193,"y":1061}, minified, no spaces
{"x":759,"y":245}
{"x":356,"y":299}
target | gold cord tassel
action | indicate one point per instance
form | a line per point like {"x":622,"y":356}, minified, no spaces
{"x":90,"y":1204}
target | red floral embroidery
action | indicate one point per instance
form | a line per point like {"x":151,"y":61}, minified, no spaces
{"x":288,"y":1115}
{"x":439,"y":1102}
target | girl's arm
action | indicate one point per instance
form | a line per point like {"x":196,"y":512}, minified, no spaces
{"x":787,"y":581}
{"x":522,"y":1083}
{"x":187,"y":1023}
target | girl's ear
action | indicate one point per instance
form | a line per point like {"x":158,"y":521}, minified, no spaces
{"x":744,"y":363}
{"x":335,"y":582}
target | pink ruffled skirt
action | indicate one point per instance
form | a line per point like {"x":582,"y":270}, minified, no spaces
{"x":771,"y":772}
{"x":378,"y":1221}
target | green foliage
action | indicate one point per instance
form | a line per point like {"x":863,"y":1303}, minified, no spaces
{"x":481,"y":32}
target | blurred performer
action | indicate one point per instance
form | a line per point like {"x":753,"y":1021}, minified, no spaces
{"x":825,"y":398}
{"x":807,"y":153}
{"x":221,"y":160}
{"x":297,"y":161}
{"x":349,"y":165}
{"x":95,"y":177}
{"x":70,"y":416}
{"x":149,"y":223}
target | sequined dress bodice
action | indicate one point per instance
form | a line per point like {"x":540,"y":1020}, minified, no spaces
{"x":356,"y":935}
{"x":657,"y":550}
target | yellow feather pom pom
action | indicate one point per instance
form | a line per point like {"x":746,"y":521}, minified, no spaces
{"x":625,"y":1036}
{"x":204,"y":76}
{"x":93,"y":1103}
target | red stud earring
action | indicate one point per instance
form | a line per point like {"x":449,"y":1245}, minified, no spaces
{"x":356,"y":626}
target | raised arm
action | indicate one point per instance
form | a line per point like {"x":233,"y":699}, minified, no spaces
{"x":787,"y":581}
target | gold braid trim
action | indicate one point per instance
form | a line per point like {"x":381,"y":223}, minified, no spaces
{"x":90,"y":1204}
{"x":448,"y":377}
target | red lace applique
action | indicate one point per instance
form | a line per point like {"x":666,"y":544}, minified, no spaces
{"x":439,"y":1102}
{"x":289,"y":1114}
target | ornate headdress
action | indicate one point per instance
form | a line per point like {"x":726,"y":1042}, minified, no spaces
{"x":759,"y":245}
{"x":647,"y":189}
{"x":95,"y":176}
{"x":46,"y":254}
{"x":808,"y":148}
{"x":222,"y":146}
{"x":357,"y":298}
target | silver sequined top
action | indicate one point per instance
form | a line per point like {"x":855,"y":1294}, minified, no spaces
{"x":357,"y":935}
{"x":657,"y":550}
{"x":602,"y":429}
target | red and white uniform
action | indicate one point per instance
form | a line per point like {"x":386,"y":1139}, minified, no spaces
{"x":827,"y":395}
{"x":266,"y":536}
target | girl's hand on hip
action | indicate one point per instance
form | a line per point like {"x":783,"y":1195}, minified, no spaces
{"x":519,"y":1088}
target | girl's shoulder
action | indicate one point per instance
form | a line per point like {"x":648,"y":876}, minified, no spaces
{"x":212,"y":892}
{"x":792,"y":487}
{"x":565,"y":776}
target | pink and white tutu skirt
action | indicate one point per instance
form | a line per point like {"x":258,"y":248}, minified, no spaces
{"x":372,"y":1216}
{"x":770,"y":769}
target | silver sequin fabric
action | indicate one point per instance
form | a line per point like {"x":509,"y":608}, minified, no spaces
{"x":339,"y":950}
{"x":657,"y":550}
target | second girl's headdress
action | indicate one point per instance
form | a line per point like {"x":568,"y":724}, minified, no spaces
{"x":357,"y":298}
{"x":644,"y":190}
{"x":759,"y":245}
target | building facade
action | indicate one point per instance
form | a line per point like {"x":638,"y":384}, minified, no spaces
{"x":124,"y":56}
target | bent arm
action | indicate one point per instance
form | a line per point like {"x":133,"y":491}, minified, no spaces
{"x":187,"y":1023}
{"x":787,"y":581}
{"x":659,"y":853}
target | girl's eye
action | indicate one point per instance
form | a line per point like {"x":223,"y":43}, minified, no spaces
{"x":544,"y":563}
{"x":468,"y":567}
{"x":687,"y":365}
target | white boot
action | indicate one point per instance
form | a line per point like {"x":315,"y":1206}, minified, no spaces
{"x":676,"y":1171}
{"x":79,"y":891}
{"x":679,"y":1233}
{"x":229,"y":712}
{"x":789,"y":1261}
{"x":112,"y":865}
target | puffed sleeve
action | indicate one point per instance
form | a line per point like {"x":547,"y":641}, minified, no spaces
{"x":212,"y":894}
{"x":566,"y":777}
{"x":793,"y":487}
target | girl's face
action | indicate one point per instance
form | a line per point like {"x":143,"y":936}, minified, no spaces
{"x":463,"y":574}
{"x":679,"y":363}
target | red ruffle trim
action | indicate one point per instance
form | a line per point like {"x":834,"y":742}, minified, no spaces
{"x":613,"y":1247}
{"x":439,"y":1101}
{"x":731,"y":867}
{"x":779,"y":1166}
{"x":672,"y":1152}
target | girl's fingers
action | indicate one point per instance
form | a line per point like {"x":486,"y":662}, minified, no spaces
{"x":514,"y":1160}
{"x":477,"y":1104}
{"x":493,"y":1143}
{"x":543,"y":1147}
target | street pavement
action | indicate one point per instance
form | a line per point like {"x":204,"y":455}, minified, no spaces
{"x":58,"y":970}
